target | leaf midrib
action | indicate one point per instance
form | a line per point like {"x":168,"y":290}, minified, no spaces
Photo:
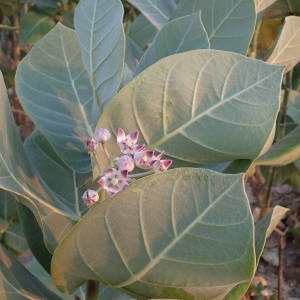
{"x":204,"y":113}
{"x":156,"y":260}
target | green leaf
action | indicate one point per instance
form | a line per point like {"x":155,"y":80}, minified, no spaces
{"x":187,"y":103}
{"x":34,"y":236}
{"x":228,"y":23}
{"x":56,"y":210}
{"x":34,"y":26}
{"x":16,"y":283}
{"x":179,"y":35}
{"x":294,"y":106}
{"x":287,"y":49}
{"x":181,"y":239}
{"x":133,"y":54}
{"x":263,"y":4}
{"x":42,"y":3}
{"x":3,"y":226}
{"x":14,"y":238}
{"x":55,"y":92}
{"x":8,"y":207}
{"x":142,"y":31}
{"x":108,"y":293}
{"x":283,"y":152}
{"x":67,"y":184}
{"x":98,"y":24}
{"x":156,"y":11}
{"x":265,"y":226}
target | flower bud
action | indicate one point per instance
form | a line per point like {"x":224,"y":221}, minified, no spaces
{"x":90,"y":197}
{"x":91,"y":144}
{"x":102,"y":135}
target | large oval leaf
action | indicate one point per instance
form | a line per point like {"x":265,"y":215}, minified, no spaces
{"x":179,"y":35}
{"x":187,"y":103}
{"x":287,"y":49}
{"x":228,"y":23}
{"x":99,"y":26}
{"x":55,"y":92}
{"x":156,"y":11}
{"x":186,"y":234}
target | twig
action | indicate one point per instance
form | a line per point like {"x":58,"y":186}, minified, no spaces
{"x":281,"y":246}
{"x":267,"y":200}
{"x":7,"y":27}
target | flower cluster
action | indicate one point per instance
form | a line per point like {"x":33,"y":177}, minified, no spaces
{"x":118,"y":178}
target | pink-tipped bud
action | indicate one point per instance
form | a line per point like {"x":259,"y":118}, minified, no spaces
{"x":102,"y":135}
{"x":125,"y":162}
{"x":91,"y":145}
{"x":90,"y":197}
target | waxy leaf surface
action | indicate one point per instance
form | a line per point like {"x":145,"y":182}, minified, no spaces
{"x":16,"y":283}
{"x":142,"y":31}
{"x":99,"y":26}
{"x":229,"y":23}
{"x":284,"y":151}
{"x":179,"y":35}
{"x":156,"y":11}
{"x":287,"y":49}
{"x":187,"y":103}
{"x":55,"y":92}
{"x":185,"y":233}
{"x":43,"y":183}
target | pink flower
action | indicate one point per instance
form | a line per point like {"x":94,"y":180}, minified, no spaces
{"x":102,"y":135}
{"x":162,"y":165}
{"x":91,"y":144}
{"x":90,"y":197}
{"x":145,"y":159}
{"x":114,"y":181}
{"x":125,"y":162}
{"x":128,"y":143}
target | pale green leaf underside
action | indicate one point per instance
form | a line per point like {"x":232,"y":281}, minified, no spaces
{"x":179,"y":35}
{"x":187,"y":103}
{"x":55,"y":92}
{"x":294,"y":106}
{"x":287,"y":49}
{"x":161,"y":235}
{"x":16,"y":283}
{"x":18,"y":177}
{"x":142,"y":31}
{"x":283,"y":152}
{"x":156,"y":11}
{"x":263,"y":4}
{"x":228,"y":23}
{"x":98,"y":24}
{"x":67,"y":185}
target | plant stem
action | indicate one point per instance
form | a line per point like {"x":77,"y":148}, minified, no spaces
{"x":282,"y":114}
{"x":280,"y":133}
{"x":92,"y":290}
